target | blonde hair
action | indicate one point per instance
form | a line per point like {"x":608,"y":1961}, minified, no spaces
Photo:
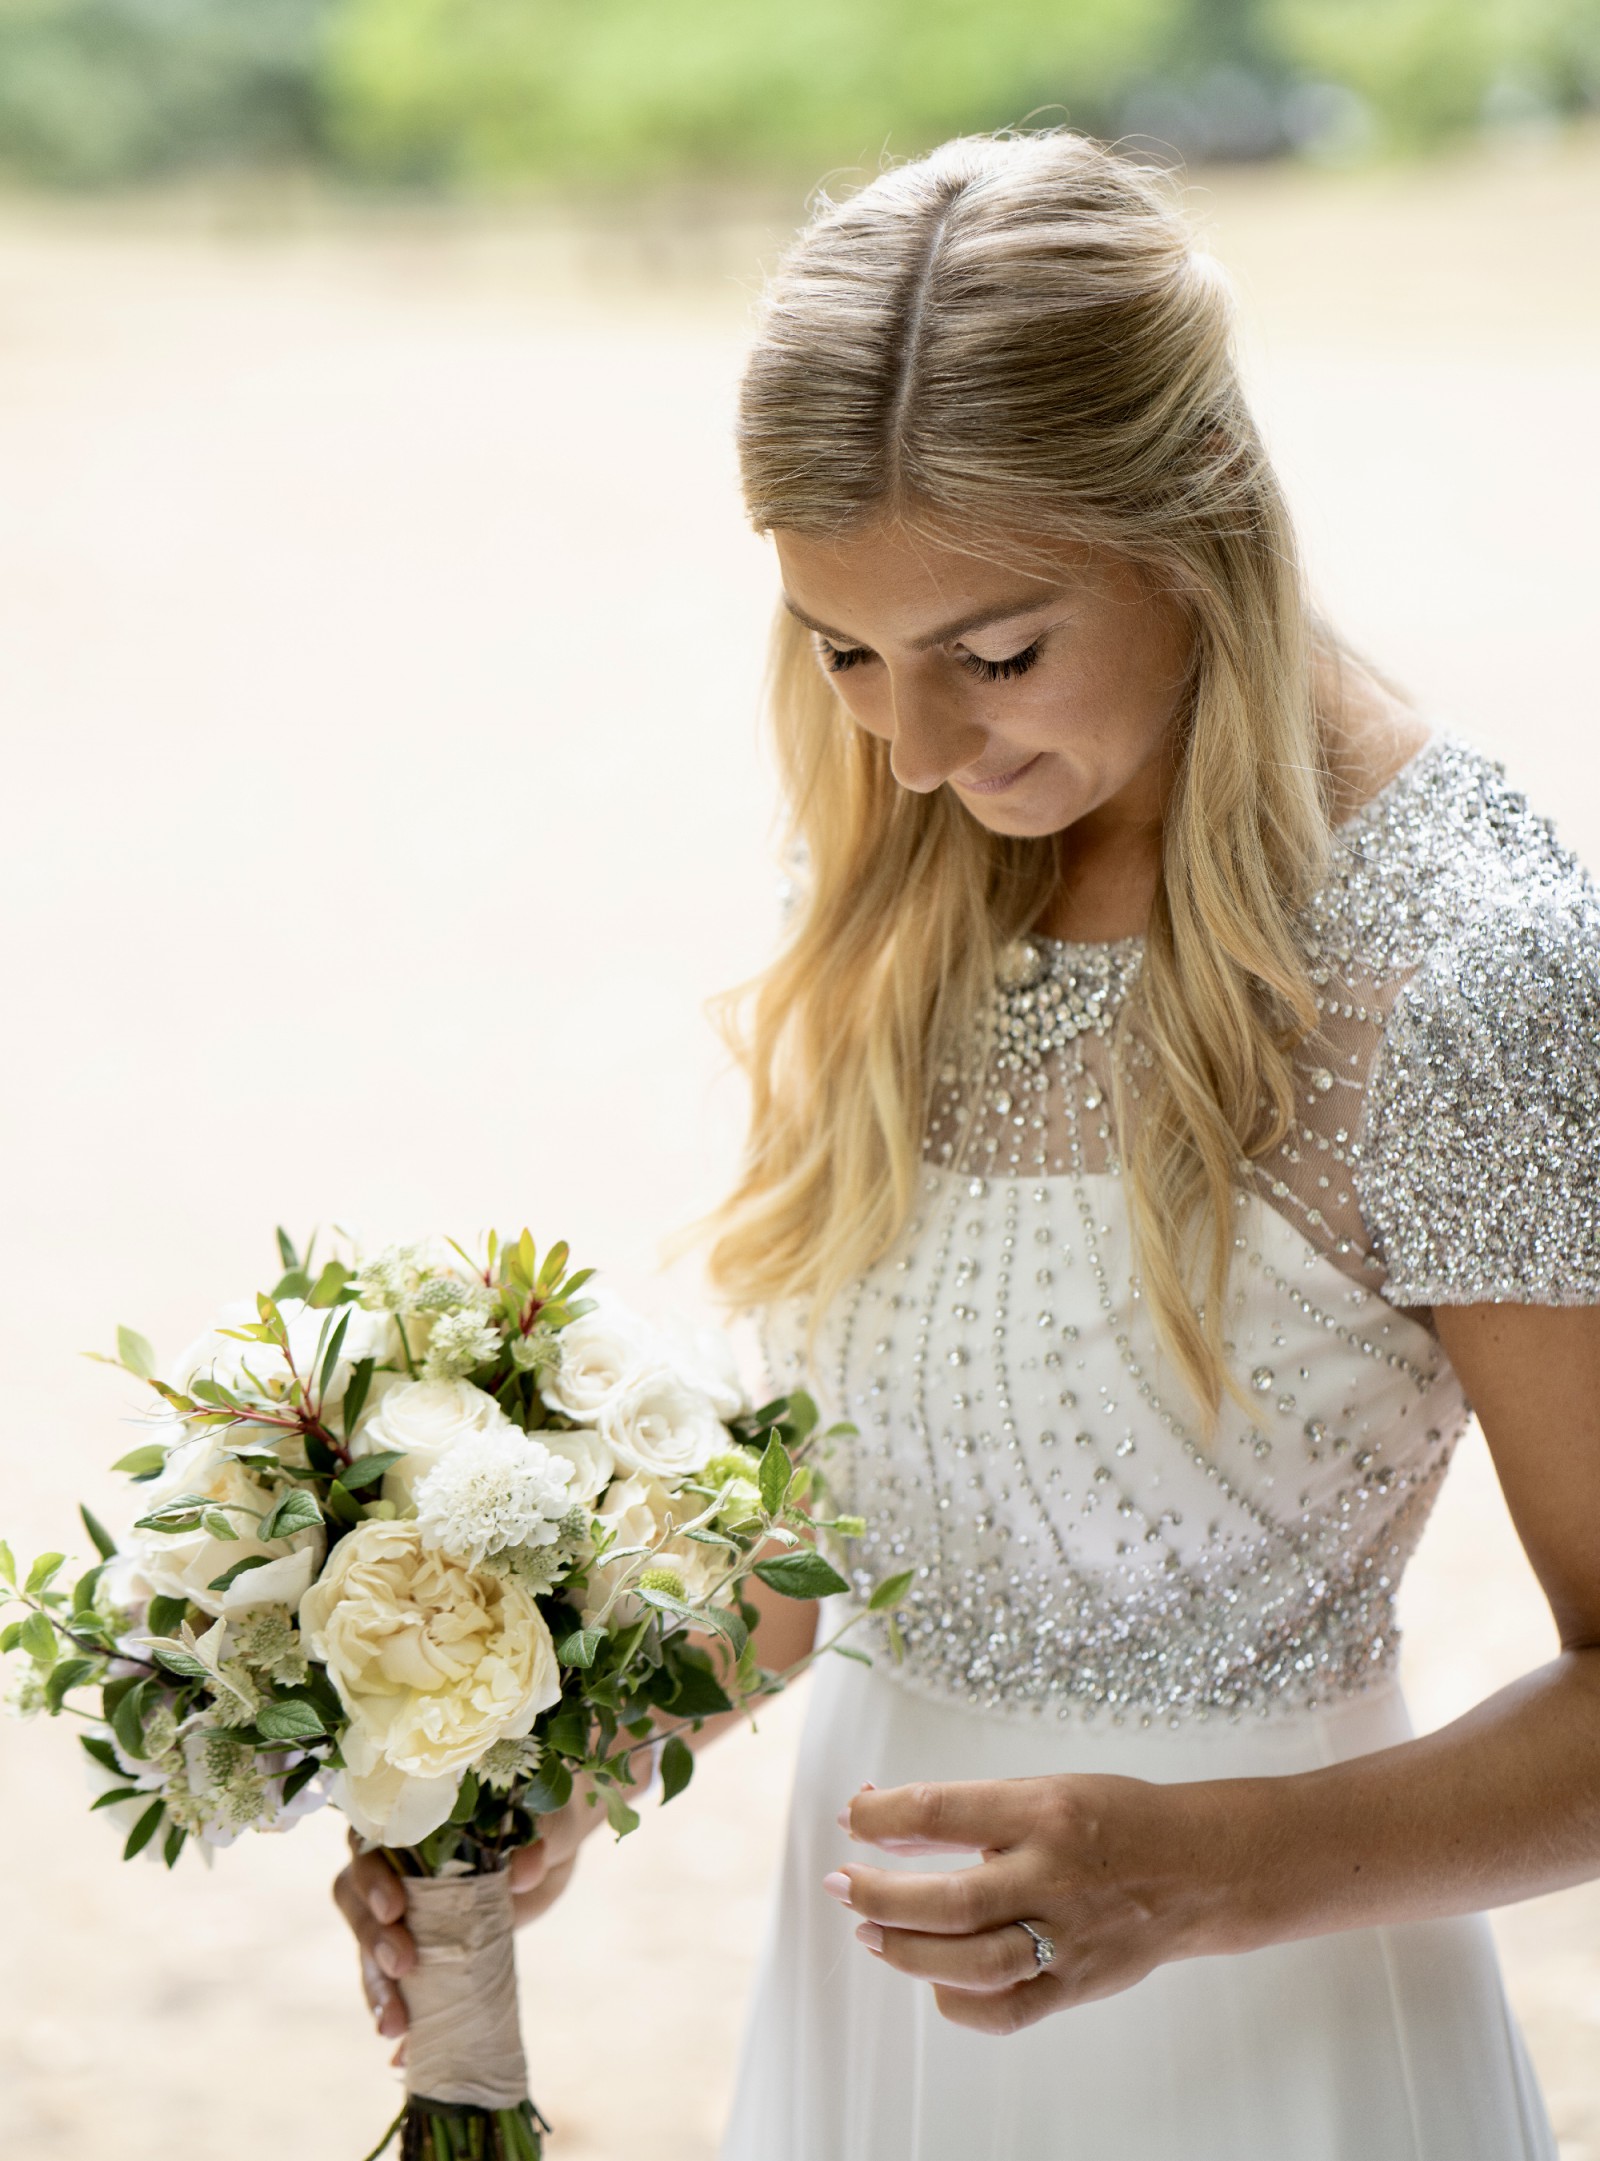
{"x":1015,"y":338}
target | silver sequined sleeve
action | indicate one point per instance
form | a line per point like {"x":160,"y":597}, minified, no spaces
{"x":1480,"y":1162}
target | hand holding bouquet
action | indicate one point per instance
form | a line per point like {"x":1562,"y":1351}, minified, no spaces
{"x":428,"y":1537}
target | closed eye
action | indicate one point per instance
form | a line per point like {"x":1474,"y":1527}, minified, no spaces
{"x":837,"y":658}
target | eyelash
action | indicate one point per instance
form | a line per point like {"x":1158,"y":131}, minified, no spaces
{"x":837,"y":658}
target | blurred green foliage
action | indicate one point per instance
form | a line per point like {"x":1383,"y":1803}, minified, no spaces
{"x":493,"y":92}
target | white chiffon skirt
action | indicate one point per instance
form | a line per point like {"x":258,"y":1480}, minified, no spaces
{"x":1384,"y":2044}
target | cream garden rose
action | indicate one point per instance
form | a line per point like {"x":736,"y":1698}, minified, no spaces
{"x":592,"y":1462}
{"x":433,"y":1662}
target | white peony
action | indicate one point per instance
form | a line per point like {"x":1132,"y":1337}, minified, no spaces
{"x":601,"y":1355}
{"x":494,"y":1489}
{"x":641,"y":1512}
{"x":662,"y":1426}
{"x":182,"y":1564}
{"x":593,"y":1464}
{"x":424,"y":1419}
{"x":433,"y":1662}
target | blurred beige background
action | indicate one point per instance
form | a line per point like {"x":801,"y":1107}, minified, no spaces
{"x":383,"y":796}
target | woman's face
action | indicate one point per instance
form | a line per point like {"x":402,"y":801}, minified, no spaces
{"x":1041,"y":700}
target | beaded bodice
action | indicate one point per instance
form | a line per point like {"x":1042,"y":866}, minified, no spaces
{"x":1023,"y":1443}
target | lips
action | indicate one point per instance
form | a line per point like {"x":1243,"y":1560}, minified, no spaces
{"x":994,"y":782}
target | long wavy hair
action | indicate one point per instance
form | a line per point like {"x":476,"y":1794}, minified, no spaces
{"x":1015,"y":341}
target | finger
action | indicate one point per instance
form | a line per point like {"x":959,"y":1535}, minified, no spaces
{"x":528,"y":1865}
{"x":942,"y":1902}
{"x":1007,"y":2012}
{"x":376,"y":1882}
{"x":391,"y":1949}
{"x":964,"y":1815}
{"x":995,"y":1959}
{"x":531,"y":1904}
{"x":385,"y":2000}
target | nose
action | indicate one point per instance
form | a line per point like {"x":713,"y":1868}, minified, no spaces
{"x":933,"y":736}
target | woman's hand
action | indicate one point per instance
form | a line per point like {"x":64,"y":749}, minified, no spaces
{"x":1119,"y":1874}
{"x":372,"y":1898}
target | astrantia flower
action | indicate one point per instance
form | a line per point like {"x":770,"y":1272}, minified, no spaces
{"x":510,"y":1761}
{"x":460,"y":1343}
{"x":387,"y":1281}
{"x":493,"y":1490}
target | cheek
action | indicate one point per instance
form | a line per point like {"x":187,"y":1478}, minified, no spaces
{"x":862,"y":697}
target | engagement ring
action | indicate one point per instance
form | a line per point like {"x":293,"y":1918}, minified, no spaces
{"x":1044,"y":1949}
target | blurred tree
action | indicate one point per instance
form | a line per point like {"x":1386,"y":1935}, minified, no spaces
{"x":93,"y":91}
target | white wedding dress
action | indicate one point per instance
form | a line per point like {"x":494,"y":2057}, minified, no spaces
{"x":1098,"y":1590}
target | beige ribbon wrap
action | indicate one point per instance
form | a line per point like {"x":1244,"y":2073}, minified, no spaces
{"x":464,"y":2043}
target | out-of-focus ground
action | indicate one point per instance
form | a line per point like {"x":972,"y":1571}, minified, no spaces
{"x":383,"y":795}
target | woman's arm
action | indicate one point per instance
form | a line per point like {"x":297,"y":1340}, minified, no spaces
{"x":1501,"y":1805}
{"x":372,"y":1898}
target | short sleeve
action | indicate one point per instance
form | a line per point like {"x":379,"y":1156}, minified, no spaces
{"x":1479,"y":1166}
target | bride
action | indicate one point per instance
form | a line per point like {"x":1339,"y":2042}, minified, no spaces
{"x":1177,"y":1095}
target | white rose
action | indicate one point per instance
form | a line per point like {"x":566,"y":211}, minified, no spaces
{"x":592,"y":1462}
{"x":433,"y":1662}
{"x":704,"y":1358}
{"x":423,"y":1419}
{"x":182,"y":1564}
{"x":662,"y":1426}
{"x":224,"y":1358}
{"x":640,"y":1512}
{"x":601,"y":1355}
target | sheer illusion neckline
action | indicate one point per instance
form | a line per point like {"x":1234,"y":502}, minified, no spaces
{"x":1343,"y":831}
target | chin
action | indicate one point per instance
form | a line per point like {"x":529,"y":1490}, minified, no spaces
{"x":1020,"y":817}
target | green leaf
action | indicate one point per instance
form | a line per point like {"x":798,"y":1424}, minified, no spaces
{"x":550,"y":1274}
{"x":136,"y":1353}
{"x":890,"y":1591}
{"x":342,"y":1505}
{"x":295,"y":1511}
{"x":677,"y":1767}
{"x":231,"y":1575}
{"x":10,"y":1637}
{"x":848,"y":1650}
{"x":367,"y":1470}
{"x":549,"y":1789}
{"x":291,"y":1720}
{"x":166,"y":1614}
{"x":801,"y":1414}
{"x":71,"y":1673}
{"x":293,"y":1283}
{"x":355,"y":1395}
{"x":579,"y":1649}
{"x":127,"y":1721}
{"x":172,"y":1844}
{"x":325,"y":1291}
{"x":335,"y":1346}
{"x":142,"y":1462}
{"x":214,"y":1521}
{"x":176,"y":1660}
{"x":568,"y":1731}
{"x":699,"y":1693}
{"x":775,"y":1476}
{"x":38,"y":1639}
{"x":8,"y":1563}
{"x":897,"y":1642}
{"x":96,"y":1745}
{"x":467,"y":1799}
{"x":621,"y":1817}
{"x":299,"y":1778}
{"x":105,"y":1544}
{"x":43,"y":1572}
{"x":801,"y":1575}
{"x":117,"y":1793}
{"x":286,"y":1252}
{"x":144,"y":1830}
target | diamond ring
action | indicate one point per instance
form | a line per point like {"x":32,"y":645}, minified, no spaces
{"x":1044,"y":1949}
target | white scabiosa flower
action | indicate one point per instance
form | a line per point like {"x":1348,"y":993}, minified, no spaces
{"x":493,"y":1490}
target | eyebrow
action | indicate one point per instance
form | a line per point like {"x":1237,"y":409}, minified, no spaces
{"x":978,"y":620}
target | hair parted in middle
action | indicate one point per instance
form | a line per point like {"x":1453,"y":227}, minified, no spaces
{"x":1011,"y":343}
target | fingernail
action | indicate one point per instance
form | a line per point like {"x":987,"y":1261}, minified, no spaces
{"x":388,"y":1960}
{"x":837,"y":1886}
{"x":867,"y":1786}
{"x":843,"y":1817}
{"x":871,"y":1935}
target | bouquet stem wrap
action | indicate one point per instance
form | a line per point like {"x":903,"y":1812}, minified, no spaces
{"x":464,"y":2044}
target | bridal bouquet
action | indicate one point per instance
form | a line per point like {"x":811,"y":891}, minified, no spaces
{"x":430,"y":1537}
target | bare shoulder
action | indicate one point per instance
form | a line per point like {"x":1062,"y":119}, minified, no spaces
{"x":1370,"y":729}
